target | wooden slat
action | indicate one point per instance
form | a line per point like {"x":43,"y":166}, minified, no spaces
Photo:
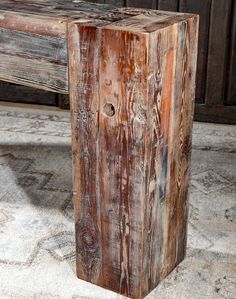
{"x":122,"y":139}
{"x":148,"y":21}
{"x":83,"y":44}
{"x":179,"y":146}
{"x":33,"y":73}
{"x":141,"y":3}
{"x":38,"y":58}
{"x":217,"y":52}
{"x":33,"y":24}
{"x":203,"y":8}
{"x":231,"y":86}
{"x":171,"y":5}
{"x":29,"y":45}
{"x":56,"y":9}
{"x":161,"y":71}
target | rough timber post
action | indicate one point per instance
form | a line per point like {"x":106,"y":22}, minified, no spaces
{"x":132,"y":86}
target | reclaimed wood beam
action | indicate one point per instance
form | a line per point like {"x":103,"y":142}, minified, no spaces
{"x":132,"y":88}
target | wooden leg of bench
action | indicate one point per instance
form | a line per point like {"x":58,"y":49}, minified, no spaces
{"x":132,"y":108}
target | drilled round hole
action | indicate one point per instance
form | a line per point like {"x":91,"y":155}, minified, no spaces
{"x":109,"y":109}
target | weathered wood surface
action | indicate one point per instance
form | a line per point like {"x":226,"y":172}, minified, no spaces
{"x":33,"y":59}
{"x":132,"y":95}
{"x":215,"y":88}
{"x":37,"y":53}
{"x":33,"y":72}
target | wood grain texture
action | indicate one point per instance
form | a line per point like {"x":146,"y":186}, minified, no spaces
{"x":37,"y":53}
{"x":83,"y":43}
{"x":180,"y":142}
{"x":132,"y":93}
{"x":217,"y":51}
{"x":27,"y":22}
{"x":29,"y":45}
{"x":203,"y":8}
{"x":33,"y":73}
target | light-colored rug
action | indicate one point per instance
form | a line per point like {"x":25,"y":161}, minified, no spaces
{"x":37,"y":250}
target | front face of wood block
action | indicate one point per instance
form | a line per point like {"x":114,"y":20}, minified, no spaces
{"x":132,"y":92}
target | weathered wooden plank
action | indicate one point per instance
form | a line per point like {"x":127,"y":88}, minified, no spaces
{"x":131,"y":173}
{"x":148,"y":21}
{"x":57,"y":9}
{"x":29,"y":45}
{"x":34,"y":73}
{"x":179,"y":145}
{"x":32,"y":24}
{"x":203,"y":8}
{"x":83,"y":44}
{"x":35,"y":44}
{"x":161,"y":71}
{"x":123,"y":100}
{"x":217,"y":51}
{"x":171,"y":5}
{"x":231,"y":84}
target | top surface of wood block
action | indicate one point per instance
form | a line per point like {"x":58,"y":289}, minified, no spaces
{"x":131,"y":19}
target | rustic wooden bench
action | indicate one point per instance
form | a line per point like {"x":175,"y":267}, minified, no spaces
{"x":131,"y":84}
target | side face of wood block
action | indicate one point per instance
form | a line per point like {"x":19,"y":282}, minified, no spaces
{"x":132,"y":87}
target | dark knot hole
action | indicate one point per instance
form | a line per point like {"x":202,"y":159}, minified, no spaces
{"x":109,"y":109}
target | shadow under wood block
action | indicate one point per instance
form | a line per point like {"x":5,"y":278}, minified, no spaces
{"x":132,"y":94}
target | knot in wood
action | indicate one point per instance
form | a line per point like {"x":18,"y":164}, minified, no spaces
{"x":109,"y":109}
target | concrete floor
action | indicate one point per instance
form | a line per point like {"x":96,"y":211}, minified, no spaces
{"x":37,"y":256}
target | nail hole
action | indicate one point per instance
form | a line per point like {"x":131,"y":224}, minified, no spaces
{"x":109,"y":109}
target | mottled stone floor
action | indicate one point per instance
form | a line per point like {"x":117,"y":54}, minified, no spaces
{"x":37,"y":253}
